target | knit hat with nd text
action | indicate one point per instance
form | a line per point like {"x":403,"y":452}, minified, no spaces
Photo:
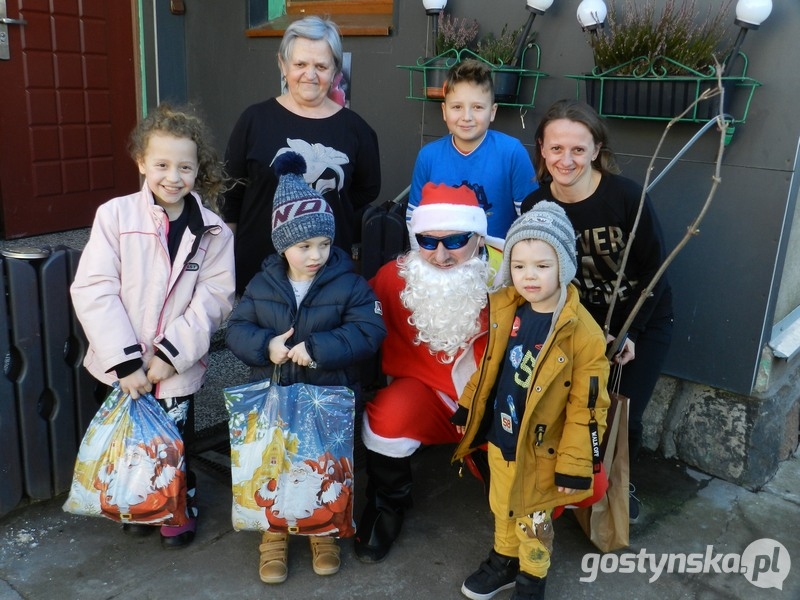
{"x":446,"y":208}
{"x":299,"y":212}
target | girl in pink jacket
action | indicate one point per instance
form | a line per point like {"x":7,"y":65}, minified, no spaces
{"x":156,"y":278}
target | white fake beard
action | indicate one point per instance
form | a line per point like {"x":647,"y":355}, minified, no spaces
{"x":445,"y":304}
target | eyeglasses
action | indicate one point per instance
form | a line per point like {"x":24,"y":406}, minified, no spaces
{"x":451,"y":242}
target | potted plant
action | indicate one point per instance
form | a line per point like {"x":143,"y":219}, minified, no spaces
{"x":652,"y":64}
{"x":500,"y":53}
{"x":638,"y":38}
{"x":452,"y":35}
{"x":454,"y":41}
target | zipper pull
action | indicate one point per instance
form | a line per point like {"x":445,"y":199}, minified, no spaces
{"x":539,"y":431}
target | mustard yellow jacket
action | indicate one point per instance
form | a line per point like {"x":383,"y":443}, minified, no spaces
{"x":557,"y":399}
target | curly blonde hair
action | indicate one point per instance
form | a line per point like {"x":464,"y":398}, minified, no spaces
{"x":184,"y":122}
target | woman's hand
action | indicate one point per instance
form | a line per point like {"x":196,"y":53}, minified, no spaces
{"x":628,"y":352}
{"x":566,"y":490}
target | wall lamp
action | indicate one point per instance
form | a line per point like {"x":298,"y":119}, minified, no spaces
{"x":749,"y":15}
{"x":591,"y":15}
{"x":535,"y":7}
{"x":432,"y":9}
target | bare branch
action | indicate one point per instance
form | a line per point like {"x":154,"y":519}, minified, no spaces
{"x":694,"y":227}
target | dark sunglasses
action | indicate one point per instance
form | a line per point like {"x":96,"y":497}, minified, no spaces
{"x":451,"y":242}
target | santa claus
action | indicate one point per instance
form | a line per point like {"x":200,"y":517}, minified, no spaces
{"x":434,"y":299}
{"x":312,"y":497}
{"x":146,"y":484}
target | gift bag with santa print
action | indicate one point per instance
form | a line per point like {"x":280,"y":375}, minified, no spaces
{"x":292,"y":458}
{"x":130,"y":465}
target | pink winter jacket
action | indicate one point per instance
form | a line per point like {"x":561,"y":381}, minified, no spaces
{"x":131,"y":301}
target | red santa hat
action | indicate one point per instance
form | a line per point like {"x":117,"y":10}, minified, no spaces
{"x":446,"y":208}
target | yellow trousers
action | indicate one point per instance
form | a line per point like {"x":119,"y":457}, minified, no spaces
{"x":529,"y":537}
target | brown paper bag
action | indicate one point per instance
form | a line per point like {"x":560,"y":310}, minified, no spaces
{"x":607,"y":521}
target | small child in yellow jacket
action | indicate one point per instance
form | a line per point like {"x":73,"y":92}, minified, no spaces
{"x":530,"y":400}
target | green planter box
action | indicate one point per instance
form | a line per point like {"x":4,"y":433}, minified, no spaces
{"x":656,"y":98}
{"x":513,"y":86}
{"x":663,"y":97}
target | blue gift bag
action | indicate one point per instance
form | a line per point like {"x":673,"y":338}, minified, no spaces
{"x":130,"y":465}
{"x":292,"y":458}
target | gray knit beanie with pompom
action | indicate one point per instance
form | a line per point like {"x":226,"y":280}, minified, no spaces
{"x":548,"y":222}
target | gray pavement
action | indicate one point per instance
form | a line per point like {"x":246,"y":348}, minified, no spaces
{"x":46,"y":553}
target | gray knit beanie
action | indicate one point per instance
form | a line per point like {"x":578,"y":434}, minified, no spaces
{"x":548,"y":222}
{"x":298,"y":212}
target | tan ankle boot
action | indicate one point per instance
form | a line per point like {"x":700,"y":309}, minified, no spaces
{"x":273,"y":564}
{"x":324,"y":555}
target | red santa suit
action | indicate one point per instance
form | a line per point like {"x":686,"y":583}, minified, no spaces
{"x":415,"y":408}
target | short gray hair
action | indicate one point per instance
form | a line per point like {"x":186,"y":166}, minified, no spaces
{"x":312,"y":28}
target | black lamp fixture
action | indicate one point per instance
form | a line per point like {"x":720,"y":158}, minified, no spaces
{"x":535,"y":7}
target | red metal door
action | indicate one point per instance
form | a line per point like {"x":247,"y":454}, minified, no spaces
{"x":67,"y":105}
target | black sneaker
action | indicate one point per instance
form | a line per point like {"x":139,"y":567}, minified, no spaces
{"x":137,"y":529}
{"x":634,"y":504}
{"x":180,"y":536}
{"x":529,"y":587}
{"x":496,"y":573}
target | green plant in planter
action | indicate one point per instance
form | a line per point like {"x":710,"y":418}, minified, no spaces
{"x":455,"y":34}
{"x":637,"y":39}
{"x":499,"y":50}
{"x":451,"y":36}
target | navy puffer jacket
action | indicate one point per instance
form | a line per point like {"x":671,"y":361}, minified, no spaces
{"x":339,"y":320}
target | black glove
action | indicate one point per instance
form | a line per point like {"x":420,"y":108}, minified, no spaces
{"x":460,"y":416}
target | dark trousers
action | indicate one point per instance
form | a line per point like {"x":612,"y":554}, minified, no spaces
{"x":639,"y":377}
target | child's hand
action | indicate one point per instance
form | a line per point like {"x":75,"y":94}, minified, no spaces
{"x":566,"y":490}
{"x":300,"y":356}
{"x":158,"y":370}
{"x":278,"y":352}
{"x":135,"y":384}
{"x":459,"y":419}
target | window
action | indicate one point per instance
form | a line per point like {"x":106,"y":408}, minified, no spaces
{"x":269,"y":18}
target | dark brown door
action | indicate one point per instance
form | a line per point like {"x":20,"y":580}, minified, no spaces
{"x":67,"y":105}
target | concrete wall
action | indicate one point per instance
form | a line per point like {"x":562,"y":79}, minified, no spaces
{"x":731,"y":283}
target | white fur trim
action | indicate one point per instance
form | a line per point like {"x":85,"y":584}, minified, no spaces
{"x":448,"y":217}
{"x":393,"y":447}
{"x":463,"y":369}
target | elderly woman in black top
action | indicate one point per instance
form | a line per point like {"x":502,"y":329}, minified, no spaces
{"x":339,"y":147}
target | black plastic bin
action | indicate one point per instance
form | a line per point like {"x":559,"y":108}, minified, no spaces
{"x":46,"y":398}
